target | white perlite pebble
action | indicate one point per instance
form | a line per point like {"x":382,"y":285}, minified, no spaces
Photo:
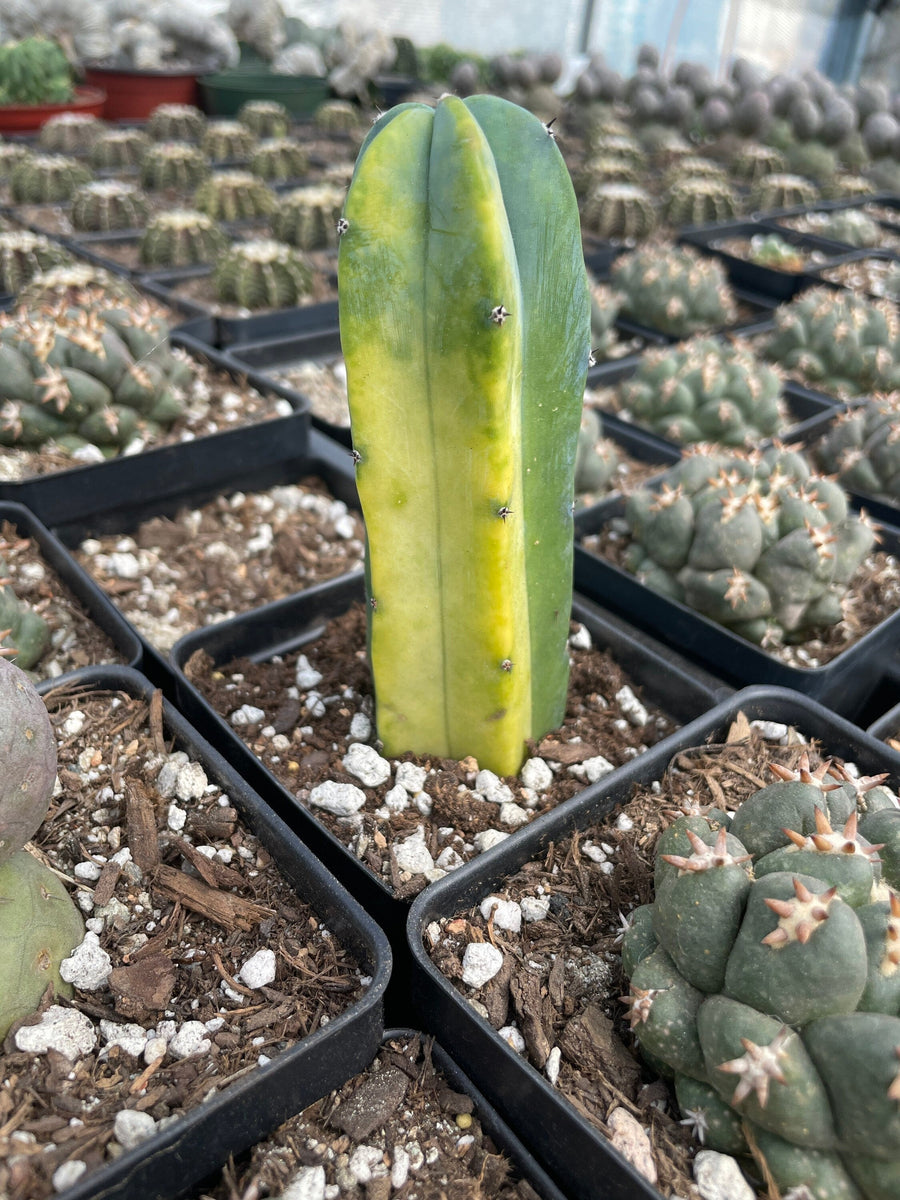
{"x":718,"y":1177}
{"x":581,"y":638}
{"x":74,"y":723}
{"x":413,"y":855}
{"x":551,"y":1066}
{"x":513,"y":815}
{"x":410,"y":777}
{"x":64,"y":1029}
{"x":494,"y":790}
{"x":507,"y":913}
{"x":592,"y":769}
{"x":131,"y":1127}
{"x":191,"y":782}
{"x":399,"y":1168}
{"x":190,"y":1040}
{"x":360,"y":727}
{"x":512,"y":1037}
{"x":449,"y":859}
{"x":88,"y":966}
{"x":87,"y":871}
{"x":307,"y":1184}
{"x":628,"y":1137}
{"x":306,"y":677}
{"x":487,"y":838}
{"x":175,"y":818}
{"x":536,"y":775}
{"x":259,"y":970}
{"x":131,"y":1039}
{"x":365,"y":1164}
{"x":772,"y":731}
{"x":481,"y":962}
{"x":342,"y":799}
{"x":631,"y":707}
{"x":397,"y":799}
{"x":156,"y":1048}
{"x":68,"y":1173}
{"x":534,"y":908}
{"x":367,"y":765}
{"x":247,"y":714}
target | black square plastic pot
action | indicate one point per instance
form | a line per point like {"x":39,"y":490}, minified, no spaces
{"x":842,"y":683}
{"x":332,"y":463}
{"x":288,"y":625}
{"x":780,"y":286}
{"x":95,"y":603}
{"x":178,"y":1157}
{"x":164,"y":471}
{"x":572,"y":1150}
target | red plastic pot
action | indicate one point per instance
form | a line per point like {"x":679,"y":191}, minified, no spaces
{"x":28,"y":118}
{"x":132,"y":95}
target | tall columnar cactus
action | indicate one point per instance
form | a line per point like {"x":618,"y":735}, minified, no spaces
{"x":23,"y":254}
{"x":265,"y":118}
{"x":234,"y":196}
{"x":39,"y":924}
{"x":181,"y":238}
{"x":465,"y":329}
{"x":176,"y":123}
{"x":279,"y":158}
{"x":227,"y":139}
{"x":70,"y":133}
{"x":308,"y":217}
{"x":173,"y":165}
{"x":674,"y":290}
{"x":766,"y":976}
{"x":46,"y":178}
{"x":262,"y":274}
{"x":107,"y":204}
{"x":621,"y":211}
{"x":119,"y":148}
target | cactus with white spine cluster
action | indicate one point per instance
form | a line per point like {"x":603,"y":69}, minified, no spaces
{"x":861,"y":448}
{"x":700,"y":200}
{"x":46,"y":178}
{"x":782,"y":191}
{"x":23,"y":254}
{"x":338,"y":117}
{"x":754,"y":162}
{"x":674,"y":290}
{"x":39,"y":924}
{"x":265,"y":118}
{"x":10,"y":155}
{"x":70,"y":133}
{"x":107,"y":204}
{"x":181,"y":238}
{"x":849,"y":225}
{"x":227,"y":139}
{"x":176,"y":123}
{"x":621,"y":211}
{"x":766,"y":976}
{"x":755,"y":542}
{"x":597,"y":457}
{"x":234,"y":196}
{"x":173,"y":165}
{"x":604,"y":169}
{"x":262,"y":274}
{"x":606,"y":304}
{"x":308,"y":217}
{"x":279,"y":158}
{"x":119,"y":148}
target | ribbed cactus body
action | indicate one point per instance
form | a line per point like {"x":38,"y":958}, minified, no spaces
{"x":782,"y":190}
{"x":173,"y":165}
{"x":674,"y":290}
{"x":754,"y":162}
{"x":181,"y":238}
{"x":308,"y":217}
{"x":176,"y":122}
{"x":116,"y":148}
{"x":338,"y":116}
{"x":465,"y":329}
{"x":279,"y":158}
{"x":700,"y":200}
{"x":28,"y":636}
{"x":265,"y":118}
{"x":775,"y":995}
{"x":234,"y":196}
{"x":262,"y":274}
{"x":70,"y":133}
{"x":107,"y":204}
{"x":227,"y":139}
{"x":862,"y":448}
{"x":28,"y":754}
{"x":23,"y":254}
{"x":619,"y":210}
{"x":46,"y":178}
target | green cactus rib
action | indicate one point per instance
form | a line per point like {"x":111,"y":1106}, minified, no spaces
{"x":465,"y":330}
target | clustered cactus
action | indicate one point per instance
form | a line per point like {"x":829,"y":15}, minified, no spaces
{"x":849,"y":225}
{"x":23,"y":254}
{"x":754,"y":542}
{"x":70,"y":133}
{"x":34,"y":70}
{"x":597,"y":457}
{"x":173,"y":165}
{"x":115,"y":149}
{"x":704,"y":390}
{"x":773,"y":251}
{"x":107,"y":204}
{"x":86,"y":375}
{"x":234,"y":196}
{"x":262,"y":274}
{"x":308,"y":217}
{"x":862,"y":449}
{"x":606,"y":304}
{"x":181,"y":237}
{"x":620,"y":211}
{"x":46,"y":178}
{"x":176,"y":123}
{"x":279,"y":158}
{"x":265,"y":118}
{"x":674,"y":290}
{"x":39,"y":924}
{"x":837,"y":341}
{"x":226,"y":140}
{"x":766,"y":977}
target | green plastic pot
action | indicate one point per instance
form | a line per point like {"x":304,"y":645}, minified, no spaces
{"x":223,"y":93}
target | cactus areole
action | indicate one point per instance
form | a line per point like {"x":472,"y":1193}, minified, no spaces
{"x":465,"y":325}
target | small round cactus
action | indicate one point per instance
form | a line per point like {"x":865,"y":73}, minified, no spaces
{"x":596,"y":457}
{"x":622,"y":211}
{"x":115,"y":149}
{"x":23,"y":254}
{"x":675,"y":291}
{"x":10,"y":155}
{"x":754,"y":162}
{"x":602,"y":169}
{"x":70,"y":133}
{"x":813,"y":161}
{"x":226,"y":140}
{"x":234,"y":196}
{"x":265,"y":118}
{"x":107,"y":204}
{"x":782,"y":191}
{"x":279,"y":158}
{"x":46,"y":179}
{"x":181,"y":238}
{"x":308,"y":217}
{"x":849,"y":225}
{"x":262,"y":274}
{"x":700,"y":201}
{"x":861,"y":447}
{"x":338,"y":117}
{"x":606,"y":304}
{"x":173,"y":165}
{"x":176,"y":123}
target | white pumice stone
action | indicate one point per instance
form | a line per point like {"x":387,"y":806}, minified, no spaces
{"x":132,"y":1127}
{"x":536,"y":775}
{"x":624,"y":823}
{"x":581,"y":638}
{"x":448,"y":859}
{"x":772,"y":731}
{"x":633,"y":709}
{"x":397,"y":799}
{"x":360,"y":727}
{"x":365,"y":1164}
{"x":551,"y":1066}
{"x":487,"y":838}
{"x":534,"y":908}
{"x":629,"y":1138}
{"x":367,"y":765}
{"x":492,"y":788}
{"x":411,"y":777}
{"x":506,"y":913}
{"x":259,"y":970}
{"x":481,"y":962}
{"x":413,"y":855}
{"x":176,"y":818}
{"x":131,"y":1039}
{"x":67,"y":1174}
{"x":718,"y":1177}
{"x":423,"y":803}
{"x":307,"y":1184}
{"x":399,"y":1168}
{"x":190,"y":1040}
{"x":88,"y":966}
{"x":513,"y":1037}
{"x":595,"y":768}
{"x":74,"y":723}
{"x":513,"y":815}
{"x":341,"y":799}
{"x":306,"y":677}
{"x":156,"y":1048}
{"x":247,"y":714}
{"x":64,"y":1029}
{"x":88,"y":871}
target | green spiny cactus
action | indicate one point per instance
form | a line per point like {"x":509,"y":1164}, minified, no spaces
{"x":813,"y":161}
{"x":597,"y":458}
{"x":759,"y":545}
{"x":176,"y":123}
{"x":754,"y":162}
{"x":81,"y":285}
{"x":772,"y":990}
{"x":279,"y":158}
{"x":604,"y":169}
{"x":39,"y":924}
{"x":782,"y":191}
{"x":119,"y":148}
{"x":700,"y":201}
{"x":465,"y":325}
{"x":234,"y":196}
{"x":846,"y":187}
{"x":23,"y":254}
{"x":704,"y":390}
{"x":34,"y":71}
{"x":849,"y":225}
{"x":338,"y":117}
{"x":107,"y":204}
{"x":308,"y":217}
{"x":862,"y":449}
{"x":772,"y":250}
{"x":605,"y":144}
{"x":265,"y":118}
{"x":173,"y":165}
{"x":837,"y":341}
{"x":46,"y":179}
{"x":70,"y":133}
{"x":227,"y":139}
{"x":25,"y":634}
{"x":262,"y":274}
{"x":665,"y":147}
{"x":622,"y":211}
{"x":181,"y":238}
{"x":674,"y":290}
{"x":606,"y":303}
{"x":10,"y":155}
{"x":693,"y":168}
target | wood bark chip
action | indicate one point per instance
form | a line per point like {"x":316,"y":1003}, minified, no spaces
{"x":566,"y":753}
{"x":140,"y":820}
{"x":495,"y":995}
{"x":143,"y":987}
{"x":529,"y":1004}
{"x":215,"y":873}
{"x":590,"y":1042}
{"x":106,"y":884}
{"x":223,"y":908}
{"x":371,"y":1104}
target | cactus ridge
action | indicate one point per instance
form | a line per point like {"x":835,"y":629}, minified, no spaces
{"x":700,"y":200}
{"x":279,"y":158}
{"x":234,"y":196}
{"x":619,"y":210}
{"x":181,"y":237}
{"x":119,"y":148}
{"x":262,"y":274}
{"x":176,"y":123}
{"x":227,"y":139}
{"x":24,"y":254}
{"x":337,"y":116}
{"x":265,"y":118}
{"x":754,"y":162}
{"x":70,"y":133}
{"x":308,"y":217}
{"x":782,"y":190}
{"x":173,"y":164}
{"x":46,"y":178}
{"x":107,"y":204}
{"x":861,"y":449}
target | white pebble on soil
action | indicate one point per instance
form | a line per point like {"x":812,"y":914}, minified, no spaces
{"x":581,"y":638}
{"x":360,"y":727}
{"x":341,"y":799}
{"x":413,"y":855}
{"x":306,"y":676}
{"x":247,"y":714}
{"x":88,"y":966}
{"x":410,"y":777}
{"x":631,"y":707}
{"x":307,"y":1184}
{"x":535,"y":908}
{"x":131,"y":1039}
{"x":367,"y":765}
{"x":551,"y":1066}
{"x":513,"y":815}
{"x":506,"y":913}
{"x":191,"y":782}
{"x":259,"y":970}
{"x":536,"y":775}
{"x":190,"y":1040}
{"x":492,"y":788}
{"x":64,"y":1029}
{"x":132,"y":1127}
{"x":628,"y":1137}
{"x":481,"y":962}
{"x":718,"y":1177}
{"x":592,"y":769}
{"x":487,"y":838}
{"x":512,"y":1036}
{"x":67,"y":1174}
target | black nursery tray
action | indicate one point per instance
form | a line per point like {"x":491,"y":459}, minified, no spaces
{"x":572,"y":1150}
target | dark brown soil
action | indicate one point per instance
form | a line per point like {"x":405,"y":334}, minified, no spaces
{"x":303,"y":750}
{"x":561,"y":978}
{"x":428,"y":1134}
{"x":193,"y":904}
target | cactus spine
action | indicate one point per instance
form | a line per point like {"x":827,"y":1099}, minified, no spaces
{"x":474,"y":343}
{"x":70,"y":133}
{"x":176,"y":122}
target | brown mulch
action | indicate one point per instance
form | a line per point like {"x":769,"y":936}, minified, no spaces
{"x":302,"y":750}
{"x":178,"y":921}
{"x":400,"y":1103}
{"x":562,"y":976}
